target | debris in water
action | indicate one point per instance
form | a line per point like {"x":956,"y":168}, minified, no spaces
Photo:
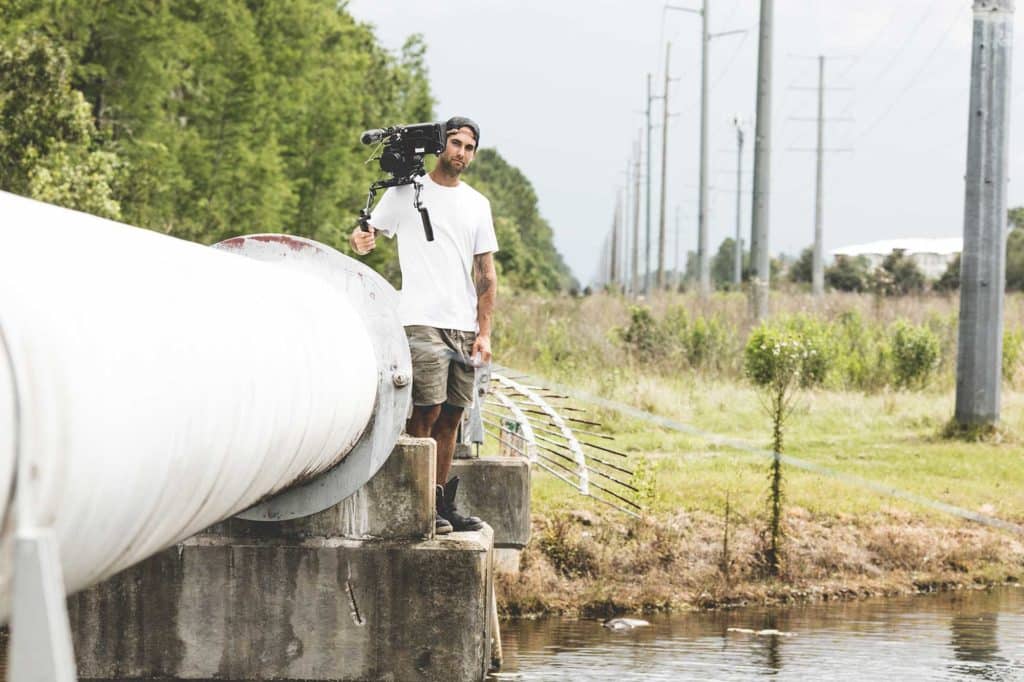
{"x":625,"y":623}
{"x":762,"y":633}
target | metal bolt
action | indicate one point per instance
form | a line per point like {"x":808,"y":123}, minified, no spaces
{"x":400,"y":379}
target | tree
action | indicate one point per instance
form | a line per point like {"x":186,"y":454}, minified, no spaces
{"x":950,"y":279}
{"x":848,"y":274}
{"x":802,"y":268}
{"x":49,"y":147}
{"x":898,"y":275}
{"x":527,"y":257}
{"x":779,"y":361}
{"x":1015,"y":251}
{"x":723,"y":265}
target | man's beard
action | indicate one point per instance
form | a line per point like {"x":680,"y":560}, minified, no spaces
{"x":448,"y":167}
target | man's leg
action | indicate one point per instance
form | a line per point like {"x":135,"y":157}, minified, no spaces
{"x":445,"y":427}
{"x":422,"y":421}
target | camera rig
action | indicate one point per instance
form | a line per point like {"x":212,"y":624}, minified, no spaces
{"x":402,"y":149}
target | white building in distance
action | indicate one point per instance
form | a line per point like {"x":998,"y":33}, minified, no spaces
{"x":932,"y":255}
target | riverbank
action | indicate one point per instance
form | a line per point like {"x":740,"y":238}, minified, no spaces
{"x":596,"y":565}
{"x":878,"y":507}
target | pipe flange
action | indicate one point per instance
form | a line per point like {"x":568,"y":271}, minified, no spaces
{"x":376,"y":301}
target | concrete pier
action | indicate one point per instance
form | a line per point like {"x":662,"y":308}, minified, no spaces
{"x":497,"y":489}
{"x":360,"y":591}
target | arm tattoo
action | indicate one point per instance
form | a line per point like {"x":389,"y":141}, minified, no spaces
{"x":482,"y":274}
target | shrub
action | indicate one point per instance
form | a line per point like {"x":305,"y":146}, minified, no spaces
{"x":1013,"y":354}
{"x":915,"y":354}
{"x":781,"y":357}
{"x":642,"y":336}
{"x":860,"y":353}
{"x":848,"y":274}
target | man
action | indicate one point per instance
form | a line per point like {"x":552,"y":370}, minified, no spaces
{"x":447,"y":298}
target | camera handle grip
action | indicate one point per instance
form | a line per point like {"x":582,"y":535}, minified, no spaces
{"x":428,"y":229}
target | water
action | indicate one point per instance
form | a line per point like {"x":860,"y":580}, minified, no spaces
{"x":954,"y":636}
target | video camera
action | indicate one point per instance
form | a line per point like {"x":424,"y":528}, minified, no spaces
{"x":402,"y":149}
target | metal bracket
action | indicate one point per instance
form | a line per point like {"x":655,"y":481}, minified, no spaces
{"x":376,"y":301}
{"x":40,"y":647}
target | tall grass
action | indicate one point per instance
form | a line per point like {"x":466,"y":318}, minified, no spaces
{"x":871,"y":339}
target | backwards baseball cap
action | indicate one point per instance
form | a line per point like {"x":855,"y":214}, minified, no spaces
{"x":456,"y":122}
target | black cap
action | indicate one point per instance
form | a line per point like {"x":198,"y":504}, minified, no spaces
{"x":456,"y":122}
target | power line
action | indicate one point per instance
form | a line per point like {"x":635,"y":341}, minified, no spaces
{"x":899,"y":50}
{"x":910,"y":84}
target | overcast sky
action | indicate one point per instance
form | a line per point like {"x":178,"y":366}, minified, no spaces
{"x":558,"y":87}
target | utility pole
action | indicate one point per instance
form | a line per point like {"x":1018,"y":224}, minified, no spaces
{"x":647,"y":212}
{"x":703,"y":260}
{"x":983,"y":262}
{"x":703,"y":257}
{"x":737,"y":269}
{"x":760,"y":258}
{"x":678,"y":277}
{"x":636,"y":214}
{"x":818,"y":249}
{"x":664,"y":174}
{"x":613,"y":266}
{"x":818,"y":262}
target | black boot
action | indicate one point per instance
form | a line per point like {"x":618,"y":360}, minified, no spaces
{"x":450,"y":512}
{"x":441,"y":525}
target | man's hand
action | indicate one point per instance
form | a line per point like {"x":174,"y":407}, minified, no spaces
{"x":482,"y":348}
{"x":363,"y":241}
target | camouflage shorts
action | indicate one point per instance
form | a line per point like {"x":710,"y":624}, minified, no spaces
{"x":441,"y":367}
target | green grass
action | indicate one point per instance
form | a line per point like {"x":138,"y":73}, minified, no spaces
{"x":890,"y":439}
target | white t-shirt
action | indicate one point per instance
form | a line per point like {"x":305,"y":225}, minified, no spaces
{"x":437,"y":277}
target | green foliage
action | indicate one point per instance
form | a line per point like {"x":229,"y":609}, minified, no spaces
{"x":1015,"y":255}
{"x":898,"y":275}
{"x":950,"y":279}
{"x":723,"y":265}
{"x":527,"y":258}
{"x":782,"y":357}
{"x":642,"y":336}
{"x":1013,"y":355}
{"x":915,"y":354}
{"x":860,"y":353}
{"x":209,"y":119}
{"x":848,"y":274}
{"x":803,"y":269}
{"x":49,"y":147}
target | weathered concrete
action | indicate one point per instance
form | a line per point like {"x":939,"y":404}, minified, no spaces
{"x":397,"y":503}
{"x":298,"y":601}
{"x":497,"y":489}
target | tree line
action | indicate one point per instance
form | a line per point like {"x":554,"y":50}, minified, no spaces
{"x":897,"y":275}
{"x":205,"y":120}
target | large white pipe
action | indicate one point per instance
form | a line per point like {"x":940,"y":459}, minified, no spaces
{"x":150,"y":387}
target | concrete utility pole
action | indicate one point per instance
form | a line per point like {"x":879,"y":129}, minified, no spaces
{"x":636,"y":214}
{"x":613,"y":264}
{"x":647,"y":211}
{"x":818,"y":260}
{"x":703,"y":260}
{"x":737,"y":269}
{"x":760,"y":256}
{"x":678,"y":277}
{"x":983,"y":262}
{"x":664,"y":174}
{"x":703,"y":257}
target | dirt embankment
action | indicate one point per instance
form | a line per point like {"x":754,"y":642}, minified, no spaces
{"x":582,"y":565}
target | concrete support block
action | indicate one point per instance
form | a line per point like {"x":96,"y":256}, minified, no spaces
{"x":322,"y":609}
{"x":398,"y":502}
{"x":497,"y":489}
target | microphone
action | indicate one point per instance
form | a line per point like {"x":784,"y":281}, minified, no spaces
{"x":371,"y":136}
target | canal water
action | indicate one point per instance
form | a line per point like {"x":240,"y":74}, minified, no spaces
{"x":952,"y":636}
